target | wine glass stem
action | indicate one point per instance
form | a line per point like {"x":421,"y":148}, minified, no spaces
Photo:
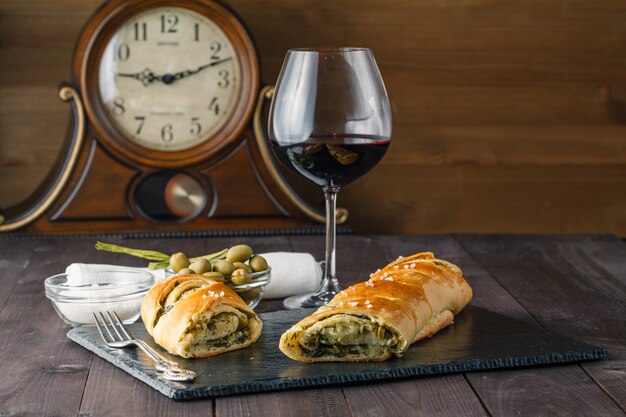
{"x":329,"y":281}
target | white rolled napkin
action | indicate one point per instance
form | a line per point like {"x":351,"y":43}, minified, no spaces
{"x":292,"y":274}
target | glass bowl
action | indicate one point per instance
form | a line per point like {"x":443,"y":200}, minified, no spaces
{"x":76,"y":298}
{"x":251,"y":292}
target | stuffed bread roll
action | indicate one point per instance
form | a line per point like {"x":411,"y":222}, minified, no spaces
{"x":193,"y":316}
{"x":408,"y":300}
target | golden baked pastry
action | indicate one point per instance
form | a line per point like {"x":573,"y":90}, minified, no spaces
{"x":408,"y":300}
{"x":193,"y":316}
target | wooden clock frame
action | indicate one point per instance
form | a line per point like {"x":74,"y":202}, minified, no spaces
{"x":90,"y":49}
{"x":96,"y":154}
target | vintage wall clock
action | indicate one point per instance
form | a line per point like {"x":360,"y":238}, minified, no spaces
{"x":164,"y":94}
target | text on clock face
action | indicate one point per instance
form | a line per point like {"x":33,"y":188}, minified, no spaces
{"x":169,"y":79}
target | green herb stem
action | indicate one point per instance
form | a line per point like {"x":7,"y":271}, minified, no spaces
{"x":150,"y":255}
{"x":158,"y":265}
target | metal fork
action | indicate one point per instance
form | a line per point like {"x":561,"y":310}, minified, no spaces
{"x":116,"y":335}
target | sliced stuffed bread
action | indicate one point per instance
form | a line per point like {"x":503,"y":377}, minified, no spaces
{"x":408,"y":300}
{"x":192,"y":316}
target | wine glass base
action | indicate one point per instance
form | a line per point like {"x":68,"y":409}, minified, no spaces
{"x":316,"y":299}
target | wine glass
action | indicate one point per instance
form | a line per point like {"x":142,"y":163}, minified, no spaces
{"x":330,"y":122}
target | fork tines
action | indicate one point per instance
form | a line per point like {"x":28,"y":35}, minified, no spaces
{"x":111,"y":327}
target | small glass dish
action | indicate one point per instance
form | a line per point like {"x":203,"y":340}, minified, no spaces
{"x":251,"y":292}
{"x":76,"y":298}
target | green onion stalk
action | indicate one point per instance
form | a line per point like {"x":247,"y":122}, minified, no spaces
{"x":159,"y":259}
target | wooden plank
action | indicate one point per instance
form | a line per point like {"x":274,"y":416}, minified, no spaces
{"x":577,"y":258}
{"x":490,"y":145}
{"x":468,"y":26}
{"x":603,"y":254}
{"x":561,"y":297}
{"x":598,"y":257}
{"x":432,"y":396}
{"x":495,"y":105}
{"x":556,"y":391}
{"x":112,"y":392}
{"x":14,"y":260}
{"x":39,"y":119}
{"x":610,"y":374}
{"x":47,"y":372}
{"x":471,"y":199}
{"x":300,"y":403}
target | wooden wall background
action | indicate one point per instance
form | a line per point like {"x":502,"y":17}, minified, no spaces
{"x":510,"y":116}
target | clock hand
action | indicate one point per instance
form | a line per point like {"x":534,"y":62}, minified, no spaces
{"x":146,"y":76}
{"x":170,"y":78}
{"x":212,"y":64}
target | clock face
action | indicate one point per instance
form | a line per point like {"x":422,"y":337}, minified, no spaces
{"x":169,"y":79}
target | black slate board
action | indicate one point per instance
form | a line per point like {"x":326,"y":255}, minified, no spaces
{"x":479,"y":339}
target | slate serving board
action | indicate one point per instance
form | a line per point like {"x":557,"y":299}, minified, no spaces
{"x":479,"y":339}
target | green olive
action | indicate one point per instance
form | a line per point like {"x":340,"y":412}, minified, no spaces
{"x":179,"y":261}
{"x":258,"y":263}
{"x":185,"y":271}
{"x":223,"y":267}
{"x":214,"y":276}
{"x":253,"y":293}
{"x":200,"y":266}
{"x":241,"y":265}
{"x":239,"y":253}
{"x":240,"y":277}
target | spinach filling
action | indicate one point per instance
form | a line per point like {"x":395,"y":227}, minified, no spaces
{"x":339,"y":350}
{"x":235,"y":338}
{"x":222,"y":330}
{"x":342,"y":336}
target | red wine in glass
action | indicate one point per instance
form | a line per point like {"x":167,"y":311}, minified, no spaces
{"x":330,"y":122}
{"x":332,"y":160}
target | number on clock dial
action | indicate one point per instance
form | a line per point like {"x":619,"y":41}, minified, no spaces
{"x":169,"y":23}
{"x":141,"y":120}
{"x":169,"y":79}
{"x":141,"y":31}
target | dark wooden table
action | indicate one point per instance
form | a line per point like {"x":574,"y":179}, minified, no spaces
{"x":572,"y":285}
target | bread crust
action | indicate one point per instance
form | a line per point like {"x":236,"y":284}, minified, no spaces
{"x":198,"y":296}
{"x":414,"y":297}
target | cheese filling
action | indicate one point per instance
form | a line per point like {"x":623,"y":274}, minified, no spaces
{"x":344,"y":335}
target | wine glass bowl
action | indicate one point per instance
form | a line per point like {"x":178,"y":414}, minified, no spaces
{"x":329,"y":122}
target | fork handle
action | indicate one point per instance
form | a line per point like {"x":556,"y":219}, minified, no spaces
{"x":170,"y":368}
{"x":162,"y":364}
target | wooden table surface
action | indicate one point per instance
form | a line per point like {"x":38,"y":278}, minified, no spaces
{"x":572,"y":285}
